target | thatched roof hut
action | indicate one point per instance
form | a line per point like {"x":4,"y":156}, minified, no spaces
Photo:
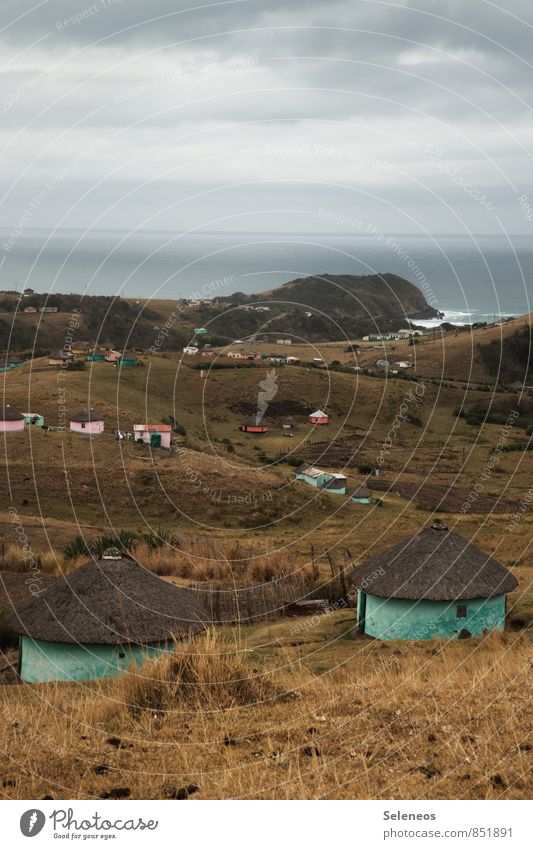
{"x":423,"y":579}
{"x":361,"y":493}
{"x":438,"y":565}
{"x":87,"y":416}
{"x":110,"y":601}
{"x":101,"y":618}
{"x":87,"y":422}
{"x":10,"y":414}
{"x":11,"y":420}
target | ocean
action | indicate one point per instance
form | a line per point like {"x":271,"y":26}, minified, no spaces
{"x":467,"y":279}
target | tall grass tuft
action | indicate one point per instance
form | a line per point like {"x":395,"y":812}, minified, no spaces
{"x":208,"y":673}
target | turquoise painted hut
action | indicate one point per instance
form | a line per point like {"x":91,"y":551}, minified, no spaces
{"x":331,"y":482}
{"x":97,"y":356}
{"x":361,"y":495}
{"x":434,"y":584}
{"x":95,"y":623}
{"x":311,"y":475}
{"x":336,"y":484}
{"x":33,"y":419}
{"x":128,"y":358}
{"x":10,"y":363}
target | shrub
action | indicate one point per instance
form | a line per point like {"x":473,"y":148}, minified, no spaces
{"x":207,"y":673}
{"x":176,"y":426}
{"x":123,"y":540}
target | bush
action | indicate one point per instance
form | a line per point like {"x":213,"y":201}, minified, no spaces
{"x":123,"y":540}
{"x":176,"y":426}
{"x":206,"y":674}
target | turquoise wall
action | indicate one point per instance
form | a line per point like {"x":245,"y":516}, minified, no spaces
{"x":340,"y":489}
{"x":42,"y":661}
{"x":316,"y":482}
{"x":362,"y":500}
{"x":402,"y":619}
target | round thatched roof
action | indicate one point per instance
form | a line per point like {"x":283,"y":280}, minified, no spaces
{"x":361,"y":491}
{"x":435,"y":564}
{"x":108,"y":602}
{"x":10,"y":414}
{"x":87,"y":416}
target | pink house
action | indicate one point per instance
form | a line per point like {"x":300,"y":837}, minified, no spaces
{"x":319,"y":417}
{"x":11,"y":420}
{"x":156,"y":435}
{"x":87,"y":421}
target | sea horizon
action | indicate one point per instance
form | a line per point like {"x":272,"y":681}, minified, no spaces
{"x":471,"y":279}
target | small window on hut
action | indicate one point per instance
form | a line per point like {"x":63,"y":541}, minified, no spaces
{"x":461,"y":611}
{"x":82,"y":425}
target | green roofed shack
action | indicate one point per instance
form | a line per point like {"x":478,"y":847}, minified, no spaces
{"x":128,"y":358}
{"x":98,"y":621}
{"x":434,"y":584}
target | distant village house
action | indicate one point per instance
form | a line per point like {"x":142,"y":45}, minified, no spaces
{"x":155,"y":435}
{"x":88,"y":422}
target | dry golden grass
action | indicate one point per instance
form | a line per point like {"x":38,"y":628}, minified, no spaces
{"x":17,"y":559}
{"x":222,"y":560}
{"x":291,"y":710}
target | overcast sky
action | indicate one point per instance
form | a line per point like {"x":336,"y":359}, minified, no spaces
{"x":254,"y":115}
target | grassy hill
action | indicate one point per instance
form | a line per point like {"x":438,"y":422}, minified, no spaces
{"x":291,"y":708}
{"x":101,"y":482}
{"x":340,"y":306}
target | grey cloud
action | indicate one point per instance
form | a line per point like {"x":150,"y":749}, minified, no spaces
{"x":159,"y":106}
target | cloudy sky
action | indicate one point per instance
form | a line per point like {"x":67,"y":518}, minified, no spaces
{"x":250,"y":115}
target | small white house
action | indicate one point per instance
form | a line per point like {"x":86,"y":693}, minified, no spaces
{"x":156,"y":435}
{"x":191,"y":350}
